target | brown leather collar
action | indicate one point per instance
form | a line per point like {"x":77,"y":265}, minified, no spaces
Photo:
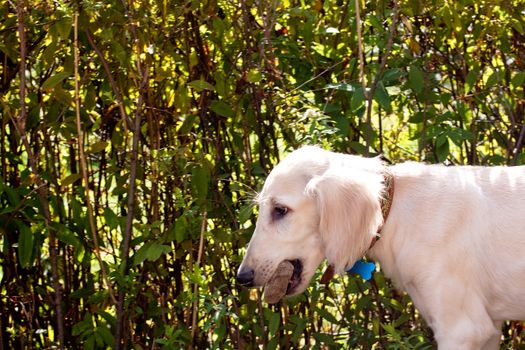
{"x":386,"y":204}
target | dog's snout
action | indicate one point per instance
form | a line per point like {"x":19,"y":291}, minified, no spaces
{"x":245,"y":277}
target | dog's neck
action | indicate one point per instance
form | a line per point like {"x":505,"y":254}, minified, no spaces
{"x":386,"y":202}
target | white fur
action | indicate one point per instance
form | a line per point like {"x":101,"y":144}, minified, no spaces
{"x":454,"y":238}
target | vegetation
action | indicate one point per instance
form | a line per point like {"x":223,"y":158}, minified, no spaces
{"x":135,"y":132}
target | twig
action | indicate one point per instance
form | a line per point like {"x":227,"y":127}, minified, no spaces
{"x":318,"y":75}
{"x":362,"y":77}
{"x":128,"y":231}
{"x":204,"y":225}
{"x":83,"y":164}
{"x":21,"y":122}
{"x":116,"y":90}
{"x":519,"y":143}
{"x":41,"y":185}
{"x":130,"y":214}
{"x":371,"y":92}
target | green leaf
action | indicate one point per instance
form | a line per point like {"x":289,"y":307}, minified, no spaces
{"x":324,"y":338}
{"x":442,"y":147}
{"x":156,"y":250}
{"x":106,"y":335}
{"x":141,"y":254}
{"x":64,"y":26}
{"x":518,"y":79}
{"x":516,"y":24}
{"x":181,"y":225}
{"x":222,"y":109}
{"x":54,"y":80}
{"x":187,"y":124}
{"x":66,"y":236}
{"x":112,"y":220}
{"x":300,"y":325}
{"x":83,"y":326}
{"x":245,"y":213}
{"x":358,"y":98}
{"x":97,"y":147}
{"x":90,"y":342}
{"x":25,"y":245}
{"x":492,"y":80}
{"x":254,"y":76}
{"x":272,"y":344}
{"x":382,"y":97}
{"x":392,"y":75}
{"x":150,"y":251}
{"x":327,"y":316}
{"x":274,"y":322}
{"x":471,"y":79}
{"x":415,"y":79}
{"x":200,"y":181}
{"x":200,"y":85}
{"x":458,"y":135}
{"x":390,"y":329}
{"x":416,"y":118}
{"x":70,"y":179}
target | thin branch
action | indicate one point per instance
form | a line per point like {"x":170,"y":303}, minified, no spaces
{"x":130,"y":214}
{"x":83,"y":165}
{"x":21,"y":122}
{"x":318,"y":75}
{"x":144,"y":74}
{"x":112,"y":82}
{"x":204,"y":226}
{"x":20,"y":125}
{"x":360,"y":48}
{"x":370,"y":94}
{"x":519,"y":143}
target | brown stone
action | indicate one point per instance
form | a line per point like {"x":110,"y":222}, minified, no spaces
{"x":276,"y":287}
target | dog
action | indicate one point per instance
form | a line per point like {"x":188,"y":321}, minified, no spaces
{"x":453,"y":239}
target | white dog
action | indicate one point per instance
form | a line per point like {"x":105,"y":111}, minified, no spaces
{"x":454,"y":238}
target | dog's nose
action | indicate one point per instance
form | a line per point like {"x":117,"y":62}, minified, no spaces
{"x":245,"y":277}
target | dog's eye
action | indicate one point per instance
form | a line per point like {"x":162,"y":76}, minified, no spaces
{"x":279,"y":212}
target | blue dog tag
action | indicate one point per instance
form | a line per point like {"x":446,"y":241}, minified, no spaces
{"x":363,"y":268}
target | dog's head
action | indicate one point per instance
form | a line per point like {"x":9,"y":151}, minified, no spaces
{"x":315,"y":204}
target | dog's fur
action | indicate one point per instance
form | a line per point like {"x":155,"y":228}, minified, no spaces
{"x":454,"y":238}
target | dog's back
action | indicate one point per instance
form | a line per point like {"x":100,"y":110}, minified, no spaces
{"x":455,"y":241}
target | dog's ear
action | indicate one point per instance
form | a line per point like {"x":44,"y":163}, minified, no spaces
{"x":349,"y":207}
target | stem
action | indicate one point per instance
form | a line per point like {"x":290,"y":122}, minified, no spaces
{"x":362,"y":77}
{"x":83,"y":165}
{"x":114,"y":86}
{"x":196,"y":285}
{"x":131,"y":211}
{"x":370,"y":95}
{"x":19,"y":125}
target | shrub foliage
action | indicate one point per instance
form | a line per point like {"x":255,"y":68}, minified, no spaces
{"x":135,"y":133}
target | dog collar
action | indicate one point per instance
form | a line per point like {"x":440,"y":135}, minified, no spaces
{"x":361,"y":267}
{"x":386,"y":203}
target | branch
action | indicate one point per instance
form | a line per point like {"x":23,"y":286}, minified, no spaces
{"x":519,"y":143}
{"x":204,"y":226}
{"x":83,"y":165}
{"x":21,"y":122}
{"x":116,"y":90}
{"x":19,"y":125}
{"x":144,"y":74}
{"x":371,"y":92}
{"x":362,"y":77}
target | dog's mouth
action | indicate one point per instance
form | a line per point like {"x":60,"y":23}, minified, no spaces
{"x":295,"y":280}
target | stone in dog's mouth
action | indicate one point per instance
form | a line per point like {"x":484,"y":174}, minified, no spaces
{"x":295,"y":280}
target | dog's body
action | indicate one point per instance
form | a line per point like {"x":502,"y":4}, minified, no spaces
{"x":454,"y":238}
